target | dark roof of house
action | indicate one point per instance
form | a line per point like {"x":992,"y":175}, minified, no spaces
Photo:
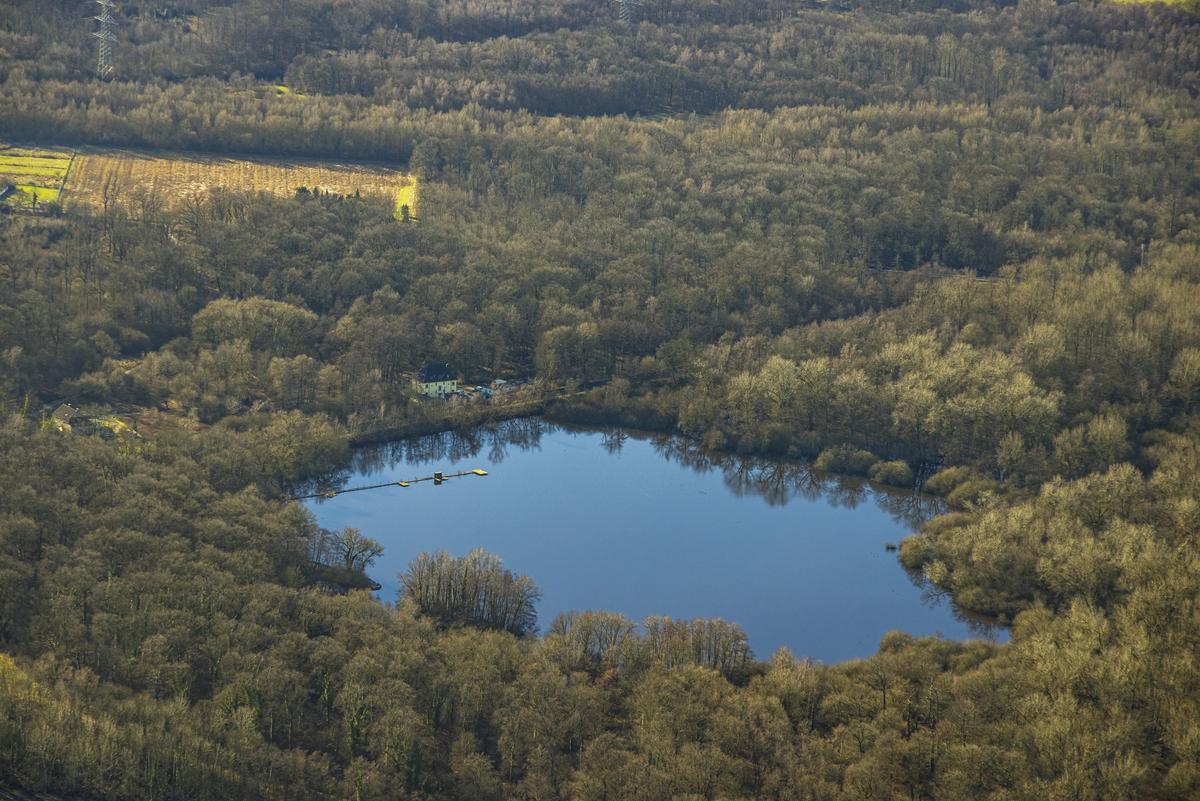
{"x":436,"y":371}
{"x":65,"y":413}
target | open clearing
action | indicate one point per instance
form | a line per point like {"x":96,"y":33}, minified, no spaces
{"x":172,"y":179}
{"x":94,"y":180}
{"x":406,"y":198}
{"x":35,"y":175}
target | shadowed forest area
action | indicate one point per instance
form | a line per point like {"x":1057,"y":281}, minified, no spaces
{"x":949,"y":244}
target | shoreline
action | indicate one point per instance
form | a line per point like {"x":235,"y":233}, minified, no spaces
{"x":559,"y":413}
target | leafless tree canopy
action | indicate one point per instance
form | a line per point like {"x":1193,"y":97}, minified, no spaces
{"x":474,"y":589}
{"x":346,"y":547}
{"x":709,"y":643}
{"x":594,"y":637}
{"x":605,"y":640}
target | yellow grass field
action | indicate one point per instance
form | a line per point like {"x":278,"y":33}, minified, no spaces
{"x":54,"y":170}
{"x":37,"y":175}
{"x":407,"y":196}
{"x":174,"y":178}
{"x":36,"y":166}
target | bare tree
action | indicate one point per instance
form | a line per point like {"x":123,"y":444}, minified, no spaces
{"x":597,"y":637}
{"x":346,"y":548}
{"x":711,"y":643}
{"x":474,"y":589}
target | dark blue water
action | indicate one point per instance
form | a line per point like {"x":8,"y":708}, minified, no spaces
{"x":645,"y":525}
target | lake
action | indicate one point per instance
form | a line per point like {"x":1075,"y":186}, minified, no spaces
{"x":649,"y":525}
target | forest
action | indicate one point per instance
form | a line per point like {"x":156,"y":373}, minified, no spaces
{"x":943,"y":243}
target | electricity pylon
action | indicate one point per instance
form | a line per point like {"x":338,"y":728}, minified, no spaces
{"x":107,"y":36}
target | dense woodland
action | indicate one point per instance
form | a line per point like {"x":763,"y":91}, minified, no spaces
{"x":947,"y":243}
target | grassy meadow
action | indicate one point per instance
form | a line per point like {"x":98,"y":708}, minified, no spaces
{"x":406,"y":196}
{"x":37,"y":175}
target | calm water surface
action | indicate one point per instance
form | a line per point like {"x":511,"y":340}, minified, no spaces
{"x":647,"y":525}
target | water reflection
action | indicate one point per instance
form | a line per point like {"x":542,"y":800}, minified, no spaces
{"x":523,"y":433}
{"x":776,"y":481}
{"x":648,"y":524}
{"x":613,"y":439}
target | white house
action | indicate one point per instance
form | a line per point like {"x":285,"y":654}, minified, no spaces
{"x":436,"y":380}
